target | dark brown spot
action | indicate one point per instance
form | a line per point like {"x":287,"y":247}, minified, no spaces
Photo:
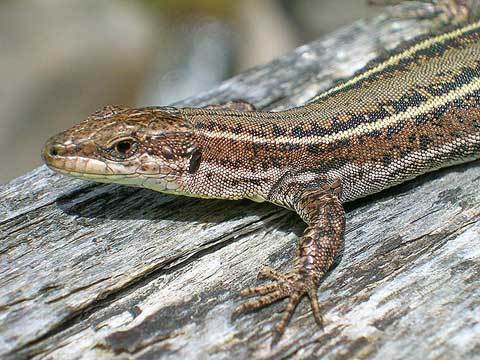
{"x":195,"y":161}
{"x":167,"y":152}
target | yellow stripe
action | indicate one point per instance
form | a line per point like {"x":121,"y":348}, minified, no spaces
{"x":361,"y":129}
{"x":397,"y":58}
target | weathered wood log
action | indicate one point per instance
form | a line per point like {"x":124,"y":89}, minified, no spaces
{"x":101,"y":271}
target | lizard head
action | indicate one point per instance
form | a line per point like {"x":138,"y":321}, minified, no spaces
{"x":149,"y":147}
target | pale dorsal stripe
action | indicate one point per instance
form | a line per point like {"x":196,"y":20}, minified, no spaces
{"x":397,"y":58}
{"x":408,"y":114}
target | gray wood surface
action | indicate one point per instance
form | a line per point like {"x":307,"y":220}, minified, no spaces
{"x":105,"y":271}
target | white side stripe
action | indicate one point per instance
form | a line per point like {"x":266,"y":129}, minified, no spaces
{"x":365,"y":128}
{"x":396,"y":58}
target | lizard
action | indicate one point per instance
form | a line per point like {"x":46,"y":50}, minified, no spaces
{"x":412,"y":111}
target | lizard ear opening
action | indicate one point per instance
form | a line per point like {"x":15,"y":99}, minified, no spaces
{"x":195,"y":159}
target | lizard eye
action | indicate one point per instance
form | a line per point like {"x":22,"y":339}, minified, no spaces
{"x":125,"y":147}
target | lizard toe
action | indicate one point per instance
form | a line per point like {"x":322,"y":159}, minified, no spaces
{"x":293,"y":286}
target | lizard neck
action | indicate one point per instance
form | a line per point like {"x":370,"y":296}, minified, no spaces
{"x":241,"y":157}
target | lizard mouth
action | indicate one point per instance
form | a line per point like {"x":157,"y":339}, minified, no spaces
{"x":132,"y":179}
{"x":57,"y":157}
{"x":83,"y":174}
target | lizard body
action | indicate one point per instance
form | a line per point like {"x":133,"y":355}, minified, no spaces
{"x":413,"y":111}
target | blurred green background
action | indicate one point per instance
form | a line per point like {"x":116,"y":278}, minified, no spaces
{"x":60,"y":60}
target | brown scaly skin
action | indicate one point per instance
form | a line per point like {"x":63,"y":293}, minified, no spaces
{"x":413,"y":111}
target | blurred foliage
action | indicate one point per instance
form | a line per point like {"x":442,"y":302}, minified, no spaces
{"x":217,"y":8}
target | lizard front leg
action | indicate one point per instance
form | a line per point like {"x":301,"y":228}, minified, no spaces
{"x":322,"y":240}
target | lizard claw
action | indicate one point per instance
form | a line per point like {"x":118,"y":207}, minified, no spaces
{"x":293,"y":286}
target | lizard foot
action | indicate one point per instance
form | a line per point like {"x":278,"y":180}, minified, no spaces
{"x":292,"y":285}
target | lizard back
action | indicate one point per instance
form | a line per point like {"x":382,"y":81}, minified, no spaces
{"x":414,"y":111}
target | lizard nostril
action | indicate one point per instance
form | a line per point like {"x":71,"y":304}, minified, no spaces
{"x":54,"y":150}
